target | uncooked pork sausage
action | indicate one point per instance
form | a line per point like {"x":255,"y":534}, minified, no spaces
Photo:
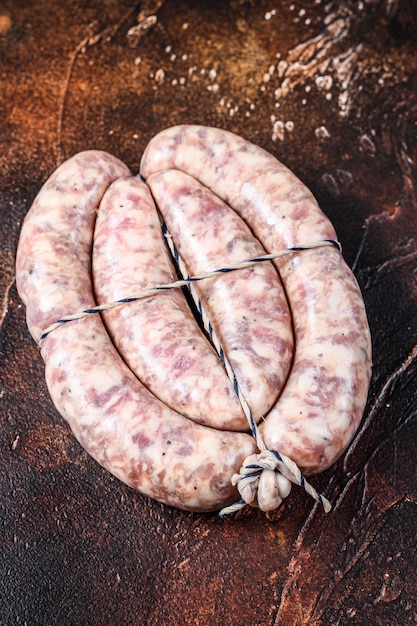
{"x":158,"y":337}
{"x":123,"y":419}
{"x":113,"y":415}
{"x":247,"y":308}
{"x":322,"y":404}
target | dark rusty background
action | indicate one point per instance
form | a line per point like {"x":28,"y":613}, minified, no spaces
{"x":328,"y":87}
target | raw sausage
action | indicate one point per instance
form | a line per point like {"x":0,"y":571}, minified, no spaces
{"x":120,"y":422}
{"x":321,"y":406}
{"x":113,"y":415}
{"x":248,"y":308}
{"x":50,"y":255}
{"x":158,"y":337}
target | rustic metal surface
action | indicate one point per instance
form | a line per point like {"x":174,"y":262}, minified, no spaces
{"x":330,"y":88}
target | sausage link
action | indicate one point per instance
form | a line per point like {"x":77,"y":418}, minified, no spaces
{"x":323,"y":401}
{"x":158,"y":337}
{"x":113,"y":415}
{"x":50,"y":287}
{"x":247,"y":308}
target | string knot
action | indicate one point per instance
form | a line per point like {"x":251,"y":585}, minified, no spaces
{"x":264,"y":480}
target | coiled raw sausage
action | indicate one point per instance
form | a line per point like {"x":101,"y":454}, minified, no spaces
{"x":117,"y":418}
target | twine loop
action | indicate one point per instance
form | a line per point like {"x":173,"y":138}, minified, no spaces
{"x":264,"y":479}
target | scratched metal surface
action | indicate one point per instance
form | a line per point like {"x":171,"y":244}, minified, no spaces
{"x":330,"y":89}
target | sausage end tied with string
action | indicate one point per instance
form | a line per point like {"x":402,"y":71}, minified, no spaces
{"x":264,"y":479}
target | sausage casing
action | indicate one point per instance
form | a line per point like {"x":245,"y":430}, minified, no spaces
{"x":247,"y":308}
{"x":323,"y":401}
{"x":158,"y":337}
{"x":113,"y":415}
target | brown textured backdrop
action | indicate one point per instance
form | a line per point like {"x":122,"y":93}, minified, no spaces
{"x":329,"y":88}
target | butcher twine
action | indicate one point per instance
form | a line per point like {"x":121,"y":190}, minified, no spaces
{"x":267,"y":459}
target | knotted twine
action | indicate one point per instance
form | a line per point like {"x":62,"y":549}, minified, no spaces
{"x":249,"y":474}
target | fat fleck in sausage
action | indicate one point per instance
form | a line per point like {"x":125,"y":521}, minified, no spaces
{"x":323,"y":401}
{"x":158,"y":337}
{"x":247,"y":308}
{"x":113,"y":415}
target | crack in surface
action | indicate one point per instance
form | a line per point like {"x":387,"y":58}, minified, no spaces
{"x":379,"y":402}
{"x":107,"y":33}
{"x":386,"y":267}
{"x":315,"y":610}
{"x":5,"y":307}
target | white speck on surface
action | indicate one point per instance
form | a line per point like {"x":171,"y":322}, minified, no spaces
{"x":367,"y":145}
{"x":289,"y":126}
{"x":266,"y":78}
{"x":172,"y":57}
{"x":321,"y":132}
{"x":345,"y":178}
{"x":324,"y":83}
{"x":168,"y":49}
{"x":343,"y":100}
{"x":278,"y":130}
{"x":212,"y":74}
{"x":330,"y":181}
{"x":282,"y":66}
{"x":159,"y":76}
